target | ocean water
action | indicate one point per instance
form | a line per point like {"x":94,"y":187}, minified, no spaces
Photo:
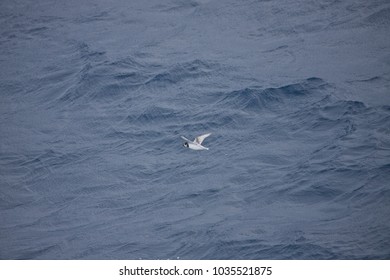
{"x":94,"y":96}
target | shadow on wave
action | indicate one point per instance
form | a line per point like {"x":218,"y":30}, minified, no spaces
{"x":180,"y":72}
{"x":255,"y":98}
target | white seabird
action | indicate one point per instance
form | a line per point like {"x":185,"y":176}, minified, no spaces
{"x":197,"y":143}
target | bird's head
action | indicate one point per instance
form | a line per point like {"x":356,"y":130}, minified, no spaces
{"x":186,"y":144}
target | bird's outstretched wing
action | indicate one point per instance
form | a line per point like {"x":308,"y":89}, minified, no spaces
{"x":200,"y":139}
{"x":186,"y":139}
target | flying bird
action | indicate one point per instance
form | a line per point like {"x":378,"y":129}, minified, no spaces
{"x":197,"y":143}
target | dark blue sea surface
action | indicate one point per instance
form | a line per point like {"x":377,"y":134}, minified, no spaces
{"x":94,"y":96}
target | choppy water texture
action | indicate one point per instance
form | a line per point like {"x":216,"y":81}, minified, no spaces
{"x":95,"y":95}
